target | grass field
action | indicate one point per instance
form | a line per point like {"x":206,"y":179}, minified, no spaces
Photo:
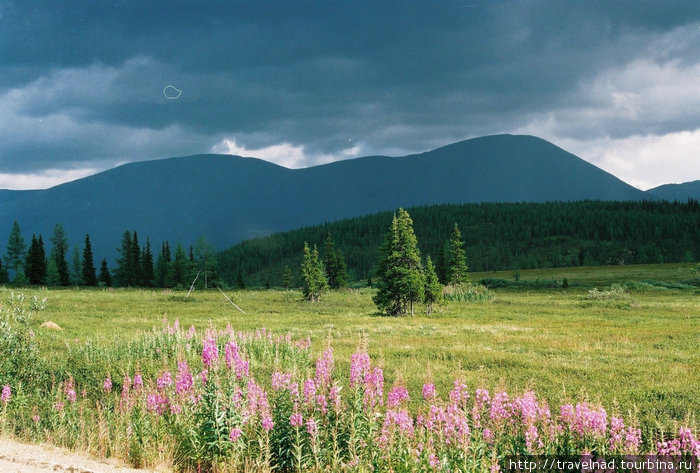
{"x":636,"y":352}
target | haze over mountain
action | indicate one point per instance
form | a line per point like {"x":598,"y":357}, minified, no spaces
{"x":230,"y":198}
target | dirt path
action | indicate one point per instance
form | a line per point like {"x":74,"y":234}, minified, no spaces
{"x":16,"y":457}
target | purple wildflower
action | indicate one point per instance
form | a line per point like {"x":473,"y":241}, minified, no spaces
{"x":6,"y":394}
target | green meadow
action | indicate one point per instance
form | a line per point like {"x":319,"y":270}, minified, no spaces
{"x":632,"y":348}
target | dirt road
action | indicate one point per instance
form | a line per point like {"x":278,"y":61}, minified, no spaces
{"x":18,"y":457}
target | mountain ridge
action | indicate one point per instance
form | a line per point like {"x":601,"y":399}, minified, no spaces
{"x":232,"y":198}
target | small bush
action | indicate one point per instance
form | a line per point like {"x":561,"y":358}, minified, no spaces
{"x":616,"y":291}
{"x":468,"y":293}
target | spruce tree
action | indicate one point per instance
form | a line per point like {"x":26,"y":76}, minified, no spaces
{"x":53,"y":279}
{"x":180,"y":267}
{"x":456,"y":259}
{"x":36,"y":262}
{"x":76,"y":274}
{"x":135,"y":260}
{"x":287,"y":278}
{"x":89,"y":276}
{"x":105,"y":277}
{"x":433,"y":288}
{"x":147,"y":271}
{"x":163,"y":269}
{"x":401,"y":281}
{"x":205,"y":256}
{"x":125,"y":271}
{"x":240,"y":283}
{"x":313,"y":274}
{"x":334,"y":264}
{"x":16,"y":251}
{"x":4,"y":277}
{"x":59,"y":252}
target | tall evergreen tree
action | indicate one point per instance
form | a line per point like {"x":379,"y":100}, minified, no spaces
{"x":125,"y":269}
{"x":105,"y":277}
{"x":163,"y":269}
{"x":334,"y":264}
{"x":287,"y":278}
{"x":401,"y":281}
{"x":433,"y":288}
{"x":59,"y":252}
{"x":205,"y":256}
{"x":240,"y":282}
{"x":76,"y":274}
{"x":53,"y":279}
{"x":135,"y":260}
{"x":147,"y":271}
{"x":441,"y":266}
{"x":36,"y":262}
{"x":313,"y":275}
{"x":456,"y":259}
{"x":4,"y":277}
{"x":180,"y":267}
{"x":89,"y":275}
{"x":16,"y":251}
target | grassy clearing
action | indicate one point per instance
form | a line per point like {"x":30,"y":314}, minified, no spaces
{"x":636,"y":352}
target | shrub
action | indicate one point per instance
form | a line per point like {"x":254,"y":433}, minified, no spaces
{"x":468,"y":293}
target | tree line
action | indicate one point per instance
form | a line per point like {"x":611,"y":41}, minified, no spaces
{"x":498,"y":236}
{"x":136,"y":266}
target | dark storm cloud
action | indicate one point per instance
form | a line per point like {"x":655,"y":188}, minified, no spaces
{"x":83,"y":81}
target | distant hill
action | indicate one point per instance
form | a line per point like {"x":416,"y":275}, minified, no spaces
{"x":497,"y":236}
{"x":679,"y":192}
{"x":230,"y":198}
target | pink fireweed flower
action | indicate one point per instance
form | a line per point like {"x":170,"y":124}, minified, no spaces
{"x":191,"y":333}
{"x":359,"y":365}
{"x":210,"y":352}
{"x":588,"y":421}
{"x":156,"y":403}
{"x":633,"y":438}
{"x":531,"y":435}
{"x":69,"y":390}
{"x":36,"y":418}
{"x":324,"y":368}
{"x":138,"y":382}
{"x":397,"y":396}
{"x":459,"y":393}
{"x":107,"y":385}
{"x":267,"y":423}
{"x":235,"y":434}
{"x":164,"y":381}
{"x":281,"y":380}
{"x":374,"y":388}
{"x":58,"y":406}
{"x":230,"y":353}
{"x":6,"y":394}
{"x":184,"y":379}
{"x":488,"y":435}
{"x":617,"y":431}
{"x":126,"y":385}
{"x":334,"y":397}
{"x":428,"y":391}
{"x":309,"y":392}
{"x":296,"y":420}
{"x":567,"y":414}
{"x":686,"y":439}
{"x":482,"y":397}
{"x":500,"y":407}
{"x":526,"y":407}
{"x":311,"y":427}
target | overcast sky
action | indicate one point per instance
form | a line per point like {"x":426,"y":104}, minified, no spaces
{"x":88,"y":85}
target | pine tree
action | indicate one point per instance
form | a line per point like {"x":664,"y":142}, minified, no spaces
{"x":59,"y":251}
{"x":240,"y":283}
{"x":180,"y":267}
{"x":76,"y":274}
{"x":163,"y":269}
{"x":16,"y":251}
{"x":313,"y":275}
{"x":53,"y":279}
{"x":36,"y":262}
{"x":441,"y":267}
{"x":287,"y":278}
{"x":401,"y":281}
{"x":135,"y":260}
{"x":205,"y":255}
{"x":147,"y":272}
{"x":105,"y":277}
{"x":334,"y":264}
{"x":433,"y":288}
{"x":456,"y":260}
{"x":4,"y":277}
{"x":125,"y":271}
{"x":89,"y":276}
